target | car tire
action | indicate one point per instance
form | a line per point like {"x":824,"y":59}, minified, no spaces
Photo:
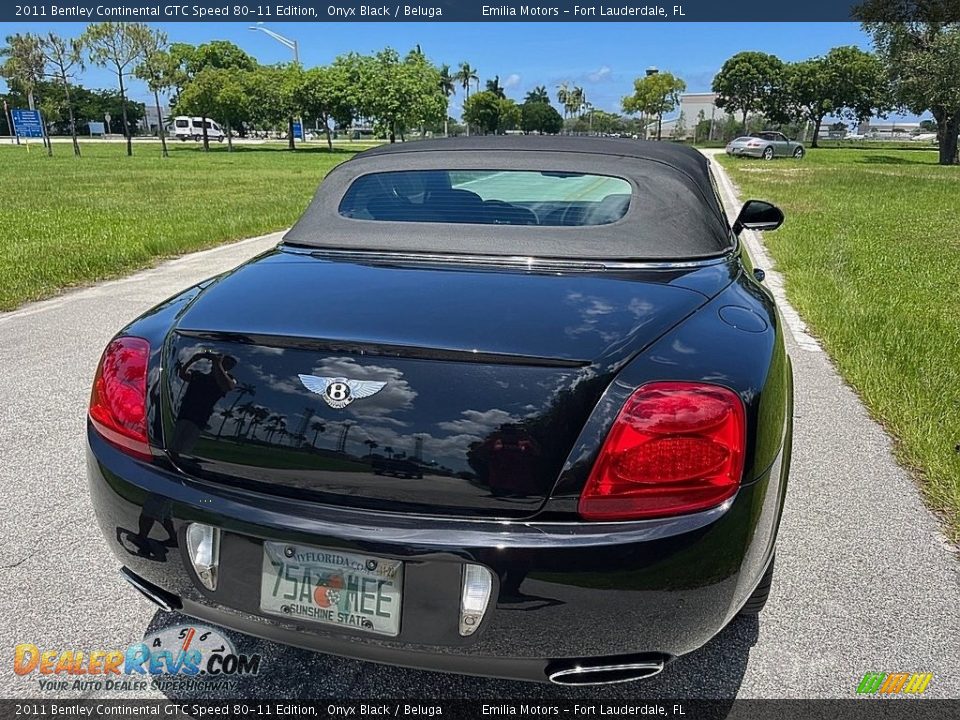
{"x":768,"y":153}
{"x":758,"y":599}
{"x":799,"y":153}
{"x":220,"y":139}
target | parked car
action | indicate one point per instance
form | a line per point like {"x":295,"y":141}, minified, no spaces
{"x":566,"y":328}
{"x":191,"y":128}
{"x":766,"y":145}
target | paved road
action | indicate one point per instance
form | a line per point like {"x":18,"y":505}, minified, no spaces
{"x":865,"y":580}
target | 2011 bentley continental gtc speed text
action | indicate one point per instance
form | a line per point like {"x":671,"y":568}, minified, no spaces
{"x":516,"y":407}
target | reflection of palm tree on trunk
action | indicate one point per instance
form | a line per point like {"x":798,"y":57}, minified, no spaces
{"x":317,"y":427}
{"x":372,"y":444}
{"x":241,"y":389}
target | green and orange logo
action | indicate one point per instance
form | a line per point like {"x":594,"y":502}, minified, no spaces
{"x":878,"y":683}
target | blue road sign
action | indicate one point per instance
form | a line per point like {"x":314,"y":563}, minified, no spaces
{"x":27,"y":123}
{"x":298,"y":130}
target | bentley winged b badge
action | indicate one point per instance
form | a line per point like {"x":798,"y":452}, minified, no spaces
{"x":339,"y":392}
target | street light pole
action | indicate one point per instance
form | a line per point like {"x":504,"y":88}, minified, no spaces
{"x":288,"y":43}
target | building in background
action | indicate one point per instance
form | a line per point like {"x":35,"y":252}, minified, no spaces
{"x":691,"y":105}
{"x":150,"y":123}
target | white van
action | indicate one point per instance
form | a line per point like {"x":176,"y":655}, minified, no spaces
{"x":191,"y":128}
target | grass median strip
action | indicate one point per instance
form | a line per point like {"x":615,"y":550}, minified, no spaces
{"x":70,"y":221}
{"x":871,"y":256}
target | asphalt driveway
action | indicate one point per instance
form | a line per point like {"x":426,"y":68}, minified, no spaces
{"x":865,"y":580}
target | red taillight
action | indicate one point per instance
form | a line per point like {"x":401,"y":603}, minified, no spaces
{"x":675,"y":447}
{"x":118,"y":402}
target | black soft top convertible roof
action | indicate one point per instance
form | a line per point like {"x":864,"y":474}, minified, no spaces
{"x":673,"y":212}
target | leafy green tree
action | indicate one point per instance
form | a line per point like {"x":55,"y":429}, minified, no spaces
{"x":117,"y":45}
{"x":749,"y":82}
{"x":698,"y":127}
{"x":23,"y":64}
{"x":63,"y":58}
{"x":273,"y":94}
{"x":921,"y":54}
{"x":192,"y":60}
{"x":680,"y":127}
{"x":654,"y":95}
{"x":160,"y":71}
{"x":401,"y":93}
{"x":490,"y":114}
{"x":847,"y":83}
{"x":325,"y":95}
{"x":540,"y":117}
{"x":538,"y":95}
{"x":23,"y":67}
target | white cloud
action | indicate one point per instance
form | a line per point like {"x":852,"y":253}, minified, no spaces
{"x":600,"y":74}
{"x":475,"y":422}
{"x":513,"y":79}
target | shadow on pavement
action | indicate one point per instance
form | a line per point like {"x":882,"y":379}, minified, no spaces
{"x":713,"y":672}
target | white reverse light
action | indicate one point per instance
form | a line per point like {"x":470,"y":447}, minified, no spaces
{"x":474,"y":596}
{"x":203,"y":547}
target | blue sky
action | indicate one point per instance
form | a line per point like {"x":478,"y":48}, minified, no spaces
{"x":601,"y":57}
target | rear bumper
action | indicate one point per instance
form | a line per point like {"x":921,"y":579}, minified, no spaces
{"x":745,"y":152}
{"x":563,"y":591}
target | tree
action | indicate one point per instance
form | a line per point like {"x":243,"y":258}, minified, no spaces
{"x":23,"y":67}
{"x":466,"y":75}
{"x":448,"y":87}
{"x":160,"y":71}
{"x":402,"y":93}
{"x":921,"y":54}
{"x":273,"y":91}
{"x":680,"y":127}
{"x":62,"y":59}
{"x":654,"y":95}
{"x":325,"y":95}
{"x":490,"y":113}
{"x":847,"y":83}
{"x":748,"y":82}
{"x":538,"y":95}
{"x":495,"y":87}
{"x":697,"y":129}
{"x":540,"y":117}
{"x":222,"y":55}
{"x":118,"y":46}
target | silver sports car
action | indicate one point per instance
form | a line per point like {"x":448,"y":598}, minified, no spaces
{"x":766,"y":145}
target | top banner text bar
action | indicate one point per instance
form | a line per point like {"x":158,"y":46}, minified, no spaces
{"x":473,"y":11}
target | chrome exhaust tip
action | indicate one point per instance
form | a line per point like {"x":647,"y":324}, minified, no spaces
{"x":163,"y":600}
{"x":586,"y":673}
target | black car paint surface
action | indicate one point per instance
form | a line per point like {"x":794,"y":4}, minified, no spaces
{"x":503,"y":381}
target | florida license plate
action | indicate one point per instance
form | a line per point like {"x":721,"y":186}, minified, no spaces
{"x":332,"y":587}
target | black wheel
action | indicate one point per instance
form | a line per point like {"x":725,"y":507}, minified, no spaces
{"x":798,"y":153}
{"x":768,"y":153}
{"x":755,"y":603}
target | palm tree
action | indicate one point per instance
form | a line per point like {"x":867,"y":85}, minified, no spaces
{"x":448,"y":87}
{"x":466,"y":75}
{"x":259,"y":414}
{"x":563,"y":97}
{"x":318,"y":427}
{"x":538,"y":95}
{"x":242,"y":411}
{"x":372,"y":444}
{"x":495,"y":87}
{"x":579,"y":99}
{"x":226,"y":414}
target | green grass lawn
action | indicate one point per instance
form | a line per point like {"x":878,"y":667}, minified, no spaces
{"x":69,"y":221}
{"x":871,"y":255}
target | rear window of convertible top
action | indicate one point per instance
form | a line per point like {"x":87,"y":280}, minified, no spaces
{"x":488,"y":197}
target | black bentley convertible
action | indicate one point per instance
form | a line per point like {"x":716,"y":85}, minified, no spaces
{"x":515,"y":407}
